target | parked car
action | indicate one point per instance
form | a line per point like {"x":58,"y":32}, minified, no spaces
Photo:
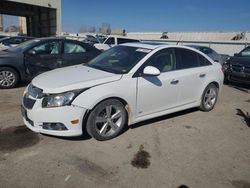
{"x":113,"y":41}
{"x":237,"y":68}
{"x":39,"y":55}
{"x":8,"y":42}
{"x":220,"y":58}
{"x":91,"y":40}
{"x":126,"y":84}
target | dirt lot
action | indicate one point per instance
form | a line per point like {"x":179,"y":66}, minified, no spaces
{"x":189,"y":149}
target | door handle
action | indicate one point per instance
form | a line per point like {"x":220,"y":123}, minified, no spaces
{"x":202,"y":75}
{"x":174,"y":82}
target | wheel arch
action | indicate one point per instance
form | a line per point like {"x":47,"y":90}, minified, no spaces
{"x":13,"y":67}
{"x":123,"y":101}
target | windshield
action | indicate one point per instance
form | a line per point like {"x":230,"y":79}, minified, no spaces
{"x":24,"y":45}
{"x":119,"y":59}
{"x":245,"y":52}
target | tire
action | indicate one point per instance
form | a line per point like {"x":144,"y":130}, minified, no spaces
{"x":106,"y":120}
{"x":209,"y":98}
{"x":9,"y":78}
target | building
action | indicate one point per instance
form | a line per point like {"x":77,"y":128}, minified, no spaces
{"x":39,"y":18}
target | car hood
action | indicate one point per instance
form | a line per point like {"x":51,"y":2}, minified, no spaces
{"x":71,"y":78}
{"x":240,"y":60}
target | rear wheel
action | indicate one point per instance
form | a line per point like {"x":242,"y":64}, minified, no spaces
{"x":107,"y":120}
{"x":8,"y":78}
{"x":209,"y":98}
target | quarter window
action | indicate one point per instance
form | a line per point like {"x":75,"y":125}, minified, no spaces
{"x":203,"y":61}
{"x":72,"y":48}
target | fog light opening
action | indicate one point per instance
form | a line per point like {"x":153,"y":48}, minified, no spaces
{"x":54,"y":126}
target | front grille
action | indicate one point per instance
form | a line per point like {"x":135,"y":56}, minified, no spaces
{"x":240,"y":68}
{"x":237,"y":68}
{"x":27,"y":102}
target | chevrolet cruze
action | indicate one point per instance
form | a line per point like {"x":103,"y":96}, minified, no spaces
{"x":124,"y":85}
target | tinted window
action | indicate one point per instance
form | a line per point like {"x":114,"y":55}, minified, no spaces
{"x":187,"y":59}
{"x":47,"y":48}
{"x":124,"y":40}
{"x":245,"y":52}
{"x":72,"y":48}
{"x":110,"y":40}
{"x":203,"y":61}
{"x":164,"y":60}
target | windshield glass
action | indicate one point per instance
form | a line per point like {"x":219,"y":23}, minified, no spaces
{"x":119,"y":59}
{"x":24,"y":45}
{"x":245,"y":52}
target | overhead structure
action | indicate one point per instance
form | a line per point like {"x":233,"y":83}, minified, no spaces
{"x":43,"y":17}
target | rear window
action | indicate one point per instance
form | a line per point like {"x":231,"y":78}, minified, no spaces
{"x":124,"y":40}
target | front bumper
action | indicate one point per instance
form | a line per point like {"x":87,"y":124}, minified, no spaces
{"x":35,"y":118}
{"x":238,"y":77}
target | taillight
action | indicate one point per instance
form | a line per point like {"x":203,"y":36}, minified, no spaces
{"x":224,"y":67}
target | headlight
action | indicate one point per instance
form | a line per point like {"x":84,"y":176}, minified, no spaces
{"x":62,"y":99}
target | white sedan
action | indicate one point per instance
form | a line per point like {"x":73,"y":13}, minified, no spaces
{"x":126,"y":84}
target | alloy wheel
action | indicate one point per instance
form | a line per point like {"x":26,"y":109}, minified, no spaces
{"x":210,"y":98}
{"x":7,"y":78}
{"x":109,"y":120}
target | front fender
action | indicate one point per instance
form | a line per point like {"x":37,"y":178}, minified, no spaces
{"x":124,"y":89}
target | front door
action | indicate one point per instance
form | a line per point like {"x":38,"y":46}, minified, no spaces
{"x":43,"y":57}
{"x":158,"y":93}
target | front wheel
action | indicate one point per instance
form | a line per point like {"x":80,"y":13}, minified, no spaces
{"x":107,"y":120}
{"x":8,"y":78}
{"x":209,"y":98}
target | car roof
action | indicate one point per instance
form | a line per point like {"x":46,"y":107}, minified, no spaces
{"x":197,"y":46}
{"x":147,"y":45}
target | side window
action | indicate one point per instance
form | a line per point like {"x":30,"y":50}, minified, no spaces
{"x":73,"y":48}
{"x":110,"y":40}
{"x":203,"y":61}
{"x":187,"y":59}
{"x":46,"y":48}
{"x":164,"y":60}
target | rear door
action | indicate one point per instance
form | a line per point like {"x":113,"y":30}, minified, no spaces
{"x":193,"y":71}
{"x":75,"y":53}
{"x":43,"y":57}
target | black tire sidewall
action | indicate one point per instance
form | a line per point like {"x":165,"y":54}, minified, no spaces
{"x":90,"y":126}
{"x":14,"y":73}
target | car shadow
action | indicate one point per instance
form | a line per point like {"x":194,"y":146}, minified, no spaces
{"x":241,"y":87}
{"x":161,"y":118}
{"x":245,"y":115}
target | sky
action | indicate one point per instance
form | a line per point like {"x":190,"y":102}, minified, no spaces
{"x":154,"y":15}
{"x":157,"y":15}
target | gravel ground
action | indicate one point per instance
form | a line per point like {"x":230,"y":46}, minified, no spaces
{"x":190,"y":149}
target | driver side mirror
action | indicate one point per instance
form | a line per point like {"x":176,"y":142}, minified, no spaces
{"x":236,"y":54}
{"x":151,"y":71}
{"x":31,"y":52}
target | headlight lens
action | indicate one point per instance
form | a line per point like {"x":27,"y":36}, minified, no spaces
{"x":61,"y":99}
